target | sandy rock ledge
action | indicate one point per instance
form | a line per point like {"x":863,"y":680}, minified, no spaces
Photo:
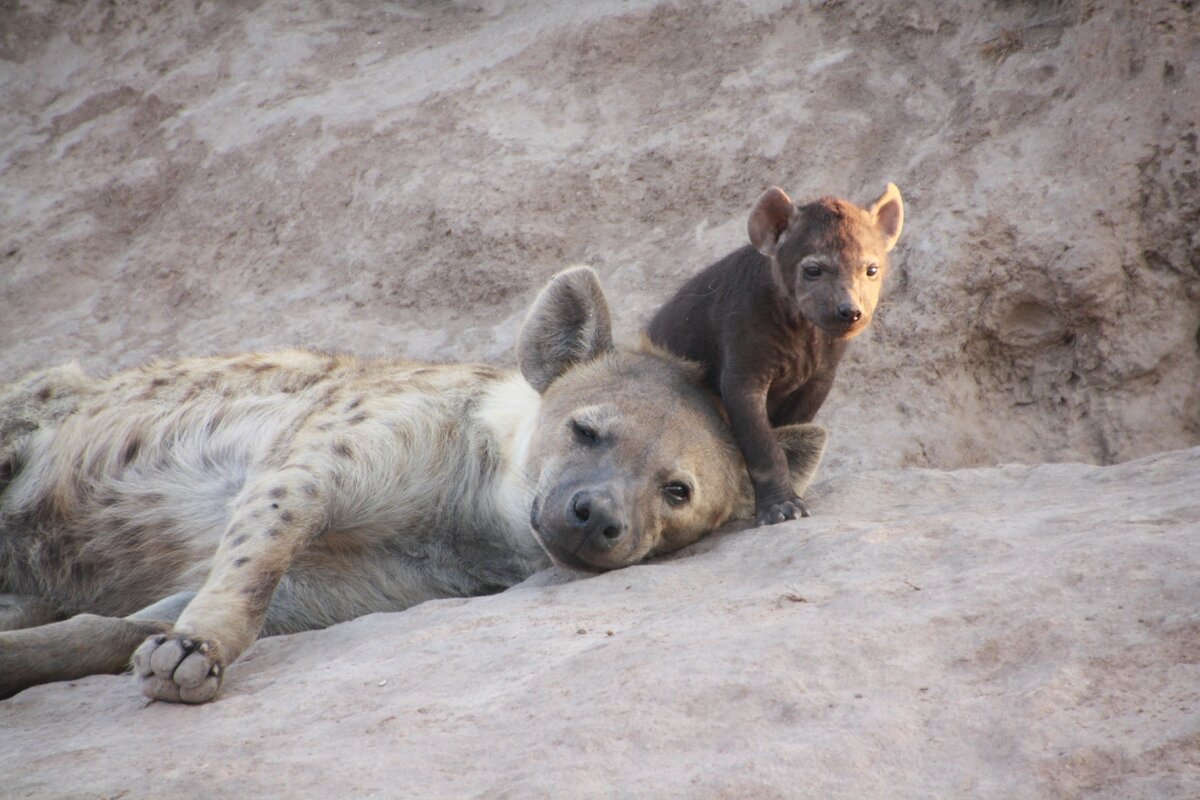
{"x":988,"y":633}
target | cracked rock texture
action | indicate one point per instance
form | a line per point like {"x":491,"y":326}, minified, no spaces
{"x":398,"y":179}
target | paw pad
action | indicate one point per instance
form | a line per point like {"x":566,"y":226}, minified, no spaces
{"x":180,"y":670}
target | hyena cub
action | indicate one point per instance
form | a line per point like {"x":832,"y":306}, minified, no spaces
{"x":771,"y":320}
{"x":206,"y":502}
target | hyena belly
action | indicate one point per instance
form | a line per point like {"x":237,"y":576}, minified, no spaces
{"x":126,"y":499}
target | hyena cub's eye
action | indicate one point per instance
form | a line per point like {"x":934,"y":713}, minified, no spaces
{"x":583,"y":433}
{"x":677,"y":493}
{"x":872,"y":270}
{"x":812,"y":271}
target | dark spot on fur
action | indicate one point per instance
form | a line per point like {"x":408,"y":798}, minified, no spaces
{"x":266,"y":367}
{"x":484,"y":373}
{"x":239,"y":541}
{"x":311,"y":489}
{"x":158,"y":382}
{"x":342,"y":449}
{"x":357,"y":418}
{"x":299,"y":383}
{"x":240,"y":562}
{"x":353,"y":404}
{"x":278,"y":492}
{"x":285,"y":516}
{"x":208,"y":382}
{"x":131,"y":451}
{"x":214,"y":422}
{"x":421,"y":371}
{"x":44,"y":393}
{"x":274,"y":505}
{"x":274,"y":533}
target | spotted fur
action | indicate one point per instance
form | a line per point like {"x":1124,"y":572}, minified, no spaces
{"x":206,"y":502}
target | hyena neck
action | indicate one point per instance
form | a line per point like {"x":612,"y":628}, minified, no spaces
{"x":510,"y":411}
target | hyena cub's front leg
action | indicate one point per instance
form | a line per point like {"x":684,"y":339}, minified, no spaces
{"x":272,"y":520}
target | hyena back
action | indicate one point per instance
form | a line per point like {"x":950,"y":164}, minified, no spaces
{"x":206,"y":502}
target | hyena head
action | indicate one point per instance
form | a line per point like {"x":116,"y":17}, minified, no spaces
{"x":631,"y":456}
{"x":831,"y":254}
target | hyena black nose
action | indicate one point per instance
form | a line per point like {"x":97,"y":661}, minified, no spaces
{"x":597,"y":514}
{"x":849,"y":312}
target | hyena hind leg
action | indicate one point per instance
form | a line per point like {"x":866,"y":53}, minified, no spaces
{"x":83,"y":645}
{"x":23,"y":611}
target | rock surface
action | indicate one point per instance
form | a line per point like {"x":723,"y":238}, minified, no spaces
{"x":399,"y":178}
{"x":988,"y":633}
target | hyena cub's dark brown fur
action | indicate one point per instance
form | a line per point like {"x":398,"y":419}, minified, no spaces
{"x":770,"y":321}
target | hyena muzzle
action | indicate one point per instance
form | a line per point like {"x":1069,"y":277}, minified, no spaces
{"x":191,"y":507}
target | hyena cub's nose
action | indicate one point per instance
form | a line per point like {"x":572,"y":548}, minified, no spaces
{"x":849,"y":312}
{"x":597,"y":514}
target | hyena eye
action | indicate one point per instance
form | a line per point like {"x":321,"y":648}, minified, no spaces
{"x":872,"y":270}
{"x":812,"y":271}
{"x":677,"y":493}
{"x":583,"y":433}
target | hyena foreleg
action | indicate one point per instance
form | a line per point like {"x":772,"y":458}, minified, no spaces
{"x":273,"y":519}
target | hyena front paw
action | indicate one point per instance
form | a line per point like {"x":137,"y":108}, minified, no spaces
{"x":179,"y":669}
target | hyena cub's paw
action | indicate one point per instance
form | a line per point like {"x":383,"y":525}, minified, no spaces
{"x":773,"y":513}
{"x":180,"y":669}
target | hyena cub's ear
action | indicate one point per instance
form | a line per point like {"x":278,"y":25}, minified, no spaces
{"x":888,"y":215}
{"x":803,"y":445}
{"x":771,"y":216}
{"x":568,"y":324}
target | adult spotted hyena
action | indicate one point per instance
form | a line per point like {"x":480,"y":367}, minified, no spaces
{"x":228,"y":498}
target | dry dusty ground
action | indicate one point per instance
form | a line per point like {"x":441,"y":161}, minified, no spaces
{"x":988,"y":633}
{"x":192,"y":178}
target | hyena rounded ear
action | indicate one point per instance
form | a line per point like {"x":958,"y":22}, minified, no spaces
{"x":769,"y":220}
{"x":888,"y":214}
{"x":568,"y":324}
{"x":803,"y":445}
